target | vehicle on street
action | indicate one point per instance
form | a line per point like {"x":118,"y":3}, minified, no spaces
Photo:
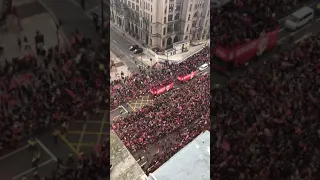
{"x":138,"y":50}
{"x":133,"y":47}
{"x":203,"y":67}
{"x":299,"y":18}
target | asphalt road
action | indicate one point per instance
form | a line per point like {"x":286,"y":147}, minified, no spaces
{"x":120,"y":47}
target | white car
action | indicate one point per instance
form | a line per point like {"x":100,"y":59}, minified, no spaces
{"x":203,"y":66}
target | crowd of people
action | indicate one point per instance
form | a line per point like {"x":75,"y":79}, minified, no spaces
{"x":274,"y":111}
{"x":144,"y":81}
{"x":46,"y":88}
{"x":182,"y":114}
{"x":241,"y":21}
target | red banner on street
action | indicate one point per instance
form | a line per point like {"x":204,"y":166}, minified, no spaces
{"x":243,"y":53}
{"x":188,"y":77}
{"x":162,"y":90}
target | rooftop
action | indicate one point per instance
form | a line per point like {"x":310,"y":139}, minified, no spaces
{"x":124,"y":165}
{"x":190,"y":163}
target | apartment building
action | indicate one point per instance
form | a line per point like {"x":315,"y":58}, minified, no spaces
{"x":160,"y":23}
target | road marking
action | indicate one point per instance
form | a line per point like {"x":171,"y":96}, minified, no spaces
{"x":114,"y":41}
{"x":120,"y":51}
{"x":290,"y":13}
{"x":124,"y":109}
{"x":114,"y":109}
{"x":301,"y":29}
{"x":68,"y":143}
{"x":131,"y":107}
{"x":32,"y":169}
{"x":143,"y":163}
{"x":81,"y":136}
{"x":46,"y":150}
{"x":14,"y":152}
{"x":101,"y":128}
{"x":75,"y":3}
{"x":302,"y":38}
{"x":92,"y":9}
{"x":280,"y":40}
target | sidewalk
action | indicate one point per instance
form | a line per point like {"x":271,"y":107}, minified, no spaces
{"x":161,"y":58}
{"x":115,"y":72}
{"x":42,"y":22}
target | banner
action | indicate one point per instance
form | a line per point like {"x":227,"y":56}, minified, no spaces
{"x":162,"y":90}
{"x":188,"y":77}
{"x":243,"y":53}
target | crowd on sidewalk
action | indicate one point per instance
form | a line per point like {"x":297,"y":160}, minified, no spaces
{"x":42,"y":90}
{"x":274,"y":112}
{"x":184,"y":112}
{"x":141,"y":83}
{"x":241,"y":21}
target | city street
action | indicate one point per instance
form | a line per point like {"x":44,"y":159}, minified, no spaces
{"x":120,"y":47}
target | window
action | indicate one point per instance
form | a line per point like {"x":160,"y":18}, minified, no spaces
{"x":189,"y":17}
{"x":178,"y":7}
{"x":171,"y":7}
{"x":170,"y":28}
{"x":188,"y":28}
{"x":190,"y":7}
{"x":164,"y":31}
{"x":137,"y":7}
{"x":165,"y":10}
{"x":151,"y":8}
{"x":194,"y":23}
{"x":150,"y":29}
{"x":186,"y":38}
{"x":176,"y":16}
{"x":150,"y":42}
{"x":170,"y":17}
{"x":165,"y":20}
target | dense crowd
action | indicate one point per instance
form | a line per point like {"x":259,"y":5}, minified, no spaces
{"x":183,"y":117}
{"x":38,"y":91}
{"x":141,"y":83}
{"x":273,"y":111}
{"x":241,"y":21}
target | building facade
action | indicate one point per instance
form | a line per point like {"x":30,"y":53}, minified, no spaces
{"x":160,"y":23}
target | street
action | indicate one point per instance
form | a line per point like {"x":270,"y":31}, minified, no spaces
{"x":120,"y":47}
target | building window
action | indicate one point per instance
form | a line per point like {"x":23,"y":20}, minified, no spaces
{"x":171,"y":7}
{"x":170,"y":17}
{"x":189,"y":17}
{"x":194,"y":23}
{"x":163,"y":42}
{"x":150,"y":42}
{"x":186,"y":38}
{"x":188,"y":28}
{"x":178,"y":7}
{"x":190,"y":7}
{"x":164,"y":31}
{"x":151,"y":8}
{"x":176,"y":16}
{"x":165,"y":10}
{"x":150,"y":29}
{"x":164,"y":20}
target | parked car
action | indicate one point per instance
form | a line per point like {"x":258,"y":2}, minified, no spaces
{"x":138,"y":50}
{"x":133,"y":47}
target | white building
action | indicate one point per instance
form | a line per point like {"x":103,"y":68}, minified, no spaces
{"x":160,"y":23}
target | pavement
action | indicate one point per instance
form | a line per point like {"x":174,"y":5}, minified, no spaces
{"x":33,"y":17}
{"x":119,"y":66}
{"x":284,"y":43}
